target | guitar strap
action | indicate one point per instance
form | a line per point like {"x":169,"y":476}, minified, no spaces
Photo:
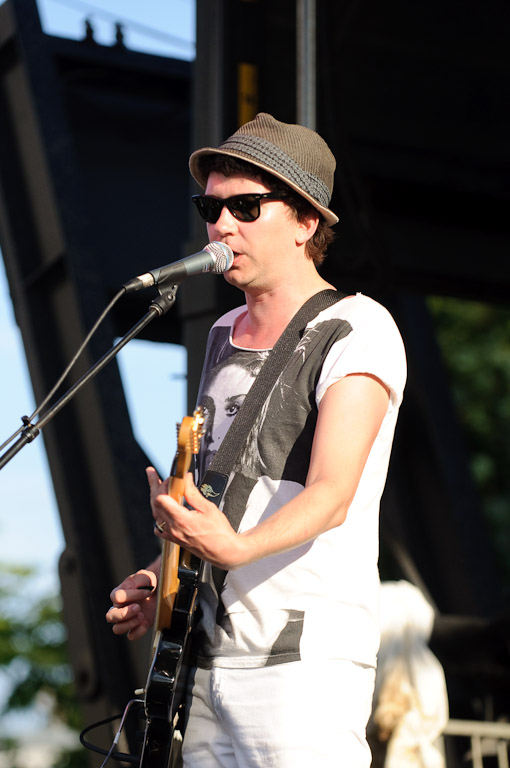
{"x":215,"y":481}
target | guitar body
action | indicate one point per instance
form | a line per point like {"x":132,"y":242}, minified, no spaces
{"x":166,"y":684}
{"x":165,"y":689}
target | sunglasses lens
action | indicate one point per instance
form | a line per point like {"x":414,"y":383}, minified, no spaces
{"x":244,"y":207}
{"x":208,"y":207}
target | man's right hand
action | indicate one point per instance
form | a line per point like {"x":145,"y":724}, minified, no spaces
{"x":133,"y":608}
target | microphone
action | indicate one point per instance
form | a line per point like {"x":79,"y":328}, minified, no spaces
{"x":216,"y":257}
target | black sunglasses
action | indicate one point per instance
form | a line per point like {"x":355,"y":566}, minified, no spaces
{"x":242,"y":207}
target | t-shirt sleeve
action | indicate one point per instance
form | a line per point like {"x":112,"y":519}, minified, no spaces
{"x":374,"y":346}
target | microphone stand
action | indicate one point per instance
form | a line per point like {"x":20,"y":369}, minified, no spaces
{"x":159,"y":306}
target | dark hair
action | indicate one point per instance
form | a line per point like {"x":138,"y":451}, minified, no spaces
{"x":226,"y":165}
{"x":250,"y":360}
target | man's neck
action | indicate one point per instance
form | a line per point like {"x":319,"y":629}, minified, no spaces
{"x":270,"y":312}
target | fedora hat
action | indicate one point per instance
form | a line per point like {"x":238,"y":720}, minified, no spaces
{"x":295,"y":154}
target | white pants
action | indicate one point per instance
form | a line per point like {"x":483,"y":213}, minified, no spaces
{"x":294,"y":715}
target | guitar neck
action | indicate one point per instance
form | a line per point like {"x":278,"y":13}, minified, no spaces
{"x":170,"y":558}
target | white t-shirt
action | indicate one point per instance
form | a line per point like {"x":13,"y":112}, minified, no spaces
{"x":320,"y":599}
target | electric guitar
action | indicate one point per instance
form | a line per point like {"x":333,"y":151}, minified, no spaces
{"x":177,"y":589}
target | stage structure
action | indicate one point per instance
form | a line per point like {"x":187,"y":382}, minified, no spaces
{"x":94,"y":189}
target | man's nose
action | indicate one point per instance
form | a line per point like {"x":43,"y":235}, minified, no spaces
{"x":225,"y":224}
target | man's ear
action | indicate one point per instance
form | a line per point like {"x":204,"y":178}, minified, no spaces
{"x":306,"y":229}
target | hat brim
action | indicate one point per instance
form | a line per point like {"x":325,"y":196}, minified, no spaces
{"x":201,"y":179}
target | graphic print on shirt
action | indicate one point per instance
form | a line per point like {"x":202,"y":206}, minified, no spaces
{"x":271,"y":469}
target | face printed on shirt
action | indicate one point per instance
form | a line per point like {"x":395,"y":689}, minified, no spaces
{"x":224,"y":391}
{"x":221,"y":402}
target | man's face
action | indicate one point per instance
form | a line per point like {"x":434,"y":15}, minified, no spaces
{"x":264,"y":249}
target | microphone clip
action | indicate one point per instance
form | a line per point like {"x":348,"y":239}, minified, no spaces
{"x":167,"y":295}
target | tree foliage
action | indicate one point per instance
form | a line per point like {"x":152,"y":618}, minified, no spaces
{"x":474,"y":338}
{"x":33,"y":655}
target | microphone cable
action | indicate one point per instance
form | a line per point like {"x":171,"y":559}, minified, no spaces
{"x":27,"y":420}
{"x":111,"y":754}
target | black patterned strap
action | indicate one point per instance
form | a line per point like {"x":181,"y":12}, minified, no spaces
{"x":216,"y":477}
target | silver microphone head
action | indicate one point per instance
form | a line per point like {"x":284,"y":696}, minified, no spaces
{"x":223,"y":256}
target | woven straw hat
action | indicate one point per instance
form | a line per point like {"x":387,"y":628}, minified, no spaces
{"x":295,"y":154}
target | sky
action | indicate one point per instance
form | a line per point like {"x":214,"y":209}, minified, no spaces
{"x":30,"y":531}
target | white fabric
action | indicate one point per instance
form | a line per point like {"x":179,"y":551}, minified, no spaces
{"x":333,"y":582}
{"x":411,"y":700}
{"x":294,"y":715}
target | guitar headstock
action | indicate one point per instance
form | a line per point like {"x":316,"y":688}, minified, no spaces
{"x":189,"y":434}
